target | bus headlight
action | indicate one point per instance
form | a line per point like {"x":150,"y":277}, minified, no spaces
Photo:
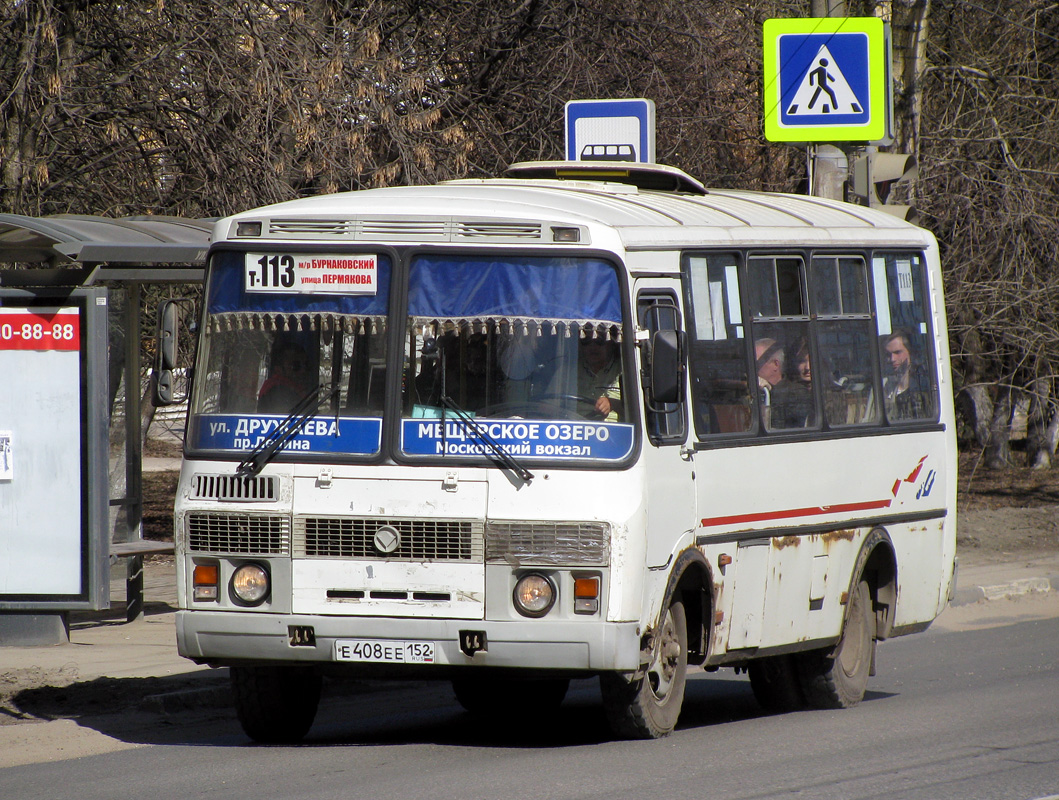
{"x":534,"y":595}
{"x":250,"y":584}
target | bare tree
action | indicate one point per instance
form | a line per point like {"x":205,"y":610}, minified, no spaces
{"x":988,"y":183}
{"x":199,"y":109}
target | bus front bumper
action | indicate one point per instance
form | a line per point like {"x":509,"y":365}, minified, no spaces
{"x":222,"y":638}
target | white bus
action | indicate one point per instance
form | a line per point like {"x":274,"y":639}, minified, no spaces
{"x":583,"y":420}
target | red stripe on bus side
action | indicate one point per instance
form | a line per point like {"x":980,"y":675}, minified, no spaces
{"x":768,"y":516}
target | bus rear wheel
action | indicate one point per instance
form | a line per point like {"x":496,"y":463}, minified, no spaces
{"x":838,"y":678}
{"x":648,"y":707}
{"x":275,"y":704}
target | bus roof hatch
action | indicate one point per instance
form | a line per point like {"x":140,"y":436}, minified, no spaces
{"x":651,"y":177}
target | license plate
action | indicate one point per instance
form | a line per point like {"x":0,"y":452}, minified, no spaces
{"x":384,"y":651}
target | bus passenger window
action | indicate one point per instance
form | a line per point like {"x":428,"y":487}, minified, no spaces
{"x":718,"y":360}
{"x":780,"y":327}
{"x":846,"y":372}
{"x":909,"y":383}
{"x":784,"y":375}
{"x":840,"y":301}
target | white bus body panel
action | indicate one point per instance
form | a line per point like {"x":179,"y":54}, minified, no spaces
{"x":753,"y":502}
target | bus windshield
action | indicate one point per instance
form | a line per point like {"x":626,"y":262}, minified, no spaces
{"x":514,"y":338}
{"x":535,"y":340}
{"x":266,"y":347}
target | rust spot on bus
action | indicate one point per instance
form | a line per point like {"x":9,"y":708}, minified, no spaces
{"x":844,"y":535}
{"x":786,"y":541}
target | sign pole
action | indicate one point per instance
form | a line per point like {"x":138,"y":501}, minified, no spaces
{"x":830,"y":167}
{"x":830,"y":171}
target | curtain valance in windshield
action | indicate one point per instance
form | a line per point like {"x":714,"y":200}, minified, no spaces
{"x":264,"y":321}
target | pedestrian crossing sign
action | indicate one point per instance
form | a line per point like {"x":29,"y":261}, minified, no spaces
{"x":827,"y":80}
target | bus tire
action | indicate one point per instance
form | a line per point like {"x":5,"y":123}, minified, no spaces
{"x":275,"y":704}
{"x":775,"y":683}
{"x":837,"y":678}
{"x":494,"y":697}
{"x":648,"y":707}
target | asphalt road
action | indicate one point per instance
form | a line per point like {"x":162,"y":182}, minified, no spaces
{"x":965,"y":711}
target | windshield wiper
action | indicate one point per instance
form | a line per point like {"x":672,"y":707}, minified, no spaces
{"x":505,"y":458}
{"x":264,"y":452}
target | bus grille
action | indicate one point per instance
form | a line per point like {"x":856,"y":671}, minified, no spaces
{"x":419,"y":539}
{"x":259,"y":489}
{"x":244,"y":534}
{"x":548,"y":543}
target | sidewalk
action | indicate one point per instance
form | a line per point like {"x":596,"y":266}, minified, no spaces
{"x":982,"y":580}
{"x":102,"y":644}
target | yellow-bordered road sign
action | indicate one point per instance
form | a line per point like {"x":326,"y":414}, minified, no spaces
{"x":827,"y":80}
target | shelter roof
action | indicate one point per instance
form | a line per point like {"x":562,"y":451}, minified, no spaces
{"x":144,"y":248}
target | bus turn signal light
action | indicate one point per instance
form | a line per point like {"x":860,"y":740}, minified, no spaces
{"x":586,"y":595}
{"x":205,"y":581}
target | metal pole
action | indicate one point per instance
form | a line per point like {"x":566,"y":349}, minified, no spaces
{"x":827,"y":8}
{"x":133,"y":454}
{"x":830,"y":166}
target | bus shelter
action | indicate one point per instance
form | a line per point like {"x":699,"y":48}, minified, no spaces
{"x":71,"y":298}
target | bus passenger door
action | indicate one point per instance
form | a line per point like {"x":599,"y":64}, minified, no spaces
{"x":669,"y":464}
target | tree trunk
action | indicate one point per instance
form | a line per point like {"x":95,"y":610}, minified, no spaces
{"x":1043,"y":425}
{"x":976,"y":406}
{"x":909,"y":24}
{"x":998,"y":449}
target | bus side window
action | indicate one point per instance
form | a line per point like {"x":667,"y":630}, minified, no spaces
{"x":910,"y":386}
{"x":657,"y":311}
{"x":718,"y":361}
{"x":782,"y":353}
{"x":840,"y":302}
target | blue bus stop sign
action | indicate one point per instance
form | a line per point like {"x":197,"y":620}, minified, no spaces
{"x":827,"y":80}
{"x":610,"y":130}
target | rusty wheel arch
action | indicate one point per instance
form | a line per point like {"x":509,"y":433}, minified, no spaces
{"x":692,"y":580}
{"x":877,"y":564}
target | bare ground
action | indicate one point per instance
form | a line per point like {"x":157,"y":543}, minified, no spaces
{"x":1003,"y":514}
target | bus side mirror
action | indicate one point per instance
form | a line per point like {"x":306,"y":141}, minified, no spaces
{"x":667,"y":366}
{"x":167,"y":348}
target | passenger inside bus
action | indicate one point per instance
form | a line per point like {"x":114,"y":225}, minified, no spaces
{"x":599,"y":376}
{"x":289,"y":380}
{"x":905,"y":387}
{"x":792,"y":397}
{"x":768,"y":356}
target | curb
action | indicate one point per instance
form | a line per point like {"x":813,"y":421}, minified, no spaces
{"x":217,"y":696}
{"x":1003,"y":591}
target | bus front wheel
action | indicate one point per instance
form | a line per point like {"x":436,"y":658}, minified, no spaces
{"x":275,"y":704}
{"x":838,"y":678}
{"x":647,"y":707}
